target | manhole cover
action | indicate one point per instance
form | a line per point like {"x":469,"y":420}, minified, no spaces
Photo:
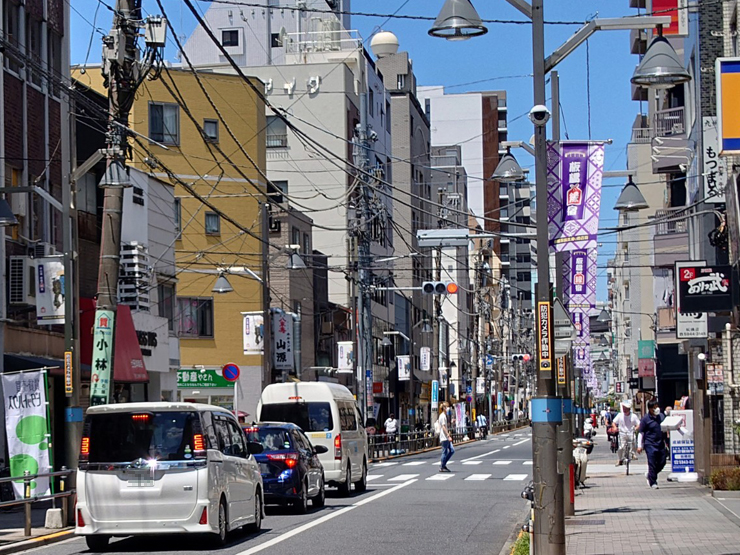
{"x":585,"y":522}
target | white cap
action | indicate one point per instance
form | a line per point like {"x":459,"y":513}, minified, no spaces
{"x":627,"y":404}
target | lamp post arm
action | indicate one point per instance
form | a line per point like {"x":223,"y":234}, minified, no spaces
{"x":605,"y":24}
{"x":523,"y":6}
{"x":518,"y":144}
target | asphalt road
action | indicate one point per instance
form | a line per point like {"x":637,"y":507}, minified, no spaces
{"x":409,"y":507}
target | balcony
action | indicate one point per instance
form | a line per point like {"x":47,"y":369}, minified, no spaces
{"x":641,"y":135}
{"x":670,"y":146}
{"x":671,"y":241}
{"x":670,"y":123}
{"x":277,"y":140}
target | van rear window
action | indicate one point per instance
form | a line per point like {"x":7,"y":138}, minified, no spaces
{"x":311,"y":417}
{"x":126,"y":436}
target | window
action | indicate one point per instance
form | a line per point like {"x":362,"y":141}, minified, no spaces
{"x":164,"y":123}
{"x":33,"y":45}
{"x":276,"y":40}
{"x":210,"y":130}
{"x":310,"y":417}
{"x":401,"y":82}
{"x":11,"y":21}
{"x":138,"y":195}
{"x":347,"y":417}
{"x":295,"y":236}
{"x":178,"y":216}
{"x":278,"y":189}
{"x":194,"y":317}
{"x":230,"y":37}
{"x":213,"y":224}
{"x":306,"y":244}
{"x":371,"y":102}
{"x":166,"y":294}
{"x":276,"y":132}
{"x":388,"y":116}
{"x":55,"y":60}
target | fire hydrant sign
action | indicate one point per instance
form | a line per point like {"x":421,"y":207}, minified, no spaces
{"x":27,"y":429}
{"x":102,"y":360}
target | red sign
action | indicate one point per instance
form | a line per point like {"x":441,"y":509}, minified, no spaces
{"x":670,"y":8}
{"x":645,"y":368}
{"x":377,"y":387}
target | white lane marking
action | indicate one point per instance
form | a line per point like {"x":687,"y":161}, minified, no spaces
{"x":414,"y":463}
{"x":520,"y":442}
{"x":527,"y":463}
{"x":441,"y":477}
{"x":381,"y":464}
{"x":502,"y":462}
{"x":478,"y":477}
{"x":517,"y":477}
{"x":506,"y":446}
{"x":480,"y":456}
{"x":403,"y":477}
{"x":323,"y":519}
{"x":472,"y":462}
{"x":371,"y":477}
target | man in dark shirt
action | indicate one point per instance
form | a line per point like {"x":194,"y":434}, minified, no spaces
{"x":651,"y":439}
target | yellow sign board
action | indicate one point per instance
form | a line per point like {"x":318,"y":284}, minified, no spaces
{"x":727,"y":73}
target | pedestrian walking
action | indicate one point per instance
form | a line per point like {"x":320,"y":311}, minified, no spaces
{"x":651,"y":439}
{"x":445,"y":437}
{"x":391,"y":428}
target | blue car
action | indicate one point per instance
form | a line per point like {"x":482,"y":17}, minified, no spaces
{"x":291,"y":471}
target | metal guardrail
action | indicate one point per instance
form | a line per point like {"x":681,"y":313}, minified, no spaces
{"x":381,"y":446}
{"x":27,"y":477}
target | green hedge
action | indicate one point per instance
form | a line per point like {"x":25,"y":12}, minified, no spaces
{"x":726,"y":479}
{"x":521,"y":547}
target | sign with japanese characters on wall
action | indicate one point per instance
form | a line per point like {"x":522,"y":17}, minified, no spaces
{"x":425,"y":359}
{"x":715,"y":168}
{"x":345,"y":356}
{"x":201,"y":378}
{"x":282,"y":341}
{"x":403,"y":363}
{"x":544,"y":326}
{"x":682,"y":442}
{"x":49,"y":291}
{"x":692,"y":324}
{"x":705,"y":289}
{"x":254,"y":333}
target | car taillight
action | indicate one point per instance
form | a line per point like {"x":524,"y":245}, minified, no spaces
{"x":80,"y":520}
{"x":204,"y":516}
{"x":85,"y":449}
{"x":199,"y":446}
{"x":290,"y":459}
{"x":338,"y":447}
{"x":144,"y":417}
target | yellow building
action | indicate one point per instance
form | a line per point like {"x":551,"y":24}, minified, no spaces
{"x":201,"y":157}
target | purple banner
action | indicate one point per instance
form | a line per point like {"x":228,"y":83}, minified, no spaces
{"x":574,"y":172}
{"x":578,"y":269}
{"x":579,"y":278}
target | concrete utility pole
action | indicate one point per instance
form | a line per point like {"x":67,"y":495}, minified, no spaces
{"x":122,"y":74}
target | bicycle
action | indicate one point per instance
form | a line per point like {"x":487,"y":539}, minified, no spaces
{"x":628,"y":450}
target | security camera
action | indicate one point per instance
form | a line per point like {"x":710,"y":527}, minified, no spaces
{"x":539,"y":115}
{"x":372,"y":135}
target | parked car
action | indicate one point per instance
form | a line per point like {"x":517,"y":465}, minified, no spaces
{"x":291,"y":471}
{"x":164,"y":468}
{"x":327,"y":413}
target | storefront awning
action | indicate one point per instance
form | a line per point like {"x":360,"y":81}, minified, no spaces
{"x":128,"y":365}
{"x":16,"y":363}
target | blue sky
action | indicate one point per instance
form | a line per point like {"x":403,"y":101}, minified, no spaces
{"x":504,"y":51}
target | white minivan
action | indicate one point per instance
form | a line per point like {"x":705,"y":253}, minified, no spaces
{"x":328,"y":414}
{"x":163,"y":468}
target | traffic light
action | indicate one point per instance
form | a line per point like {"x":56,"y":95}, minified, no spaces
{"x":439,"y":288}
{"x":523,"y":357}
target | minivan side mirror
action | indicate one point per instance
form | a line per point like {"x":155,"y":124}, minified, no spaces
{"x":319,"y":449}
{"x":254,"y":447}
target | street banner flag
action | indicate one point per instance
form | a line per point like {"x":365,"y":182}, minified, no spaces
{"x":345,"y":356}
{"x":403,"y":363}
{"x":254,"y":333}
{"x":27,"y":429}
{"x":102,"y":361}
{"x":49,"y":291}
{"x":282,"y":340}
{"x":574,"y":172}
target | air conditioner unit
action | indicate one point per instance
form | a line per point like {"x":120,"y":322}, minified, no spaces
{"x":21,"y":280}
{"x":40,"y":250}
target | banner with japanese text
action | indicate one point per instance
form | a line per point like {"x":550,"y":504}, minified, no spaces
{"x":403,"y":363}
{"x":345,"y":356}
{"x":282,"y":341}
{"x":102,"y":360}
{"x":574,"y":172}
{"x":27,"y":429}
{"x":49,"y":291}
{"x":714,"y":167}
{"x":254,"y":333}
{"x":425,"y":359}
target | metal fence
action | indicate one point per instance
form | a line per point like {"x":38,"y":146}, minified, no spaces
{"x":381,"y":446}
{"x":63,"y":494}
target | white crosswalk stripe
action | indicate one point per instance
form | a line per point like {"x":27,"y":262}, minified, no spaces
{"x":403,"y":477}
{"x":441,"y":477}
{"x":516,"y":477}
{"x":371,"y":477}
{"x":382,"y":464}
{"x":502,"y":462}
{"x":506,"y":446}
{"x":478,"y":477}
{"x":527,"y":463}
{"x":414,"y":463}
{"x":472,"y":462}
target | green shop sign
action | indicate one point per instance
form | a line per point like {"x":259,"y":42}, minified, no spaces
{"x":645,"y":349}
{"x":196,"y":379}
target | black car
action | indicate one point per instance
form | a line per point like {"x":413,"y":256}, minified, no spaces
{"x":291,"y":471}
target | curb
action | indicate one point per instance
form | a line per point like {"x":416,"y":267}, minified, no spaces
{"x":516,"y":532}
{"x":725,"y":494}
{"x":430,"y":449}
{"x":38,"y":541}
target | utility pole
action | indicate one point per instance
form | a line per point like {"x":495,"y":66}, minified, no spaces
{"x":122,"y":74}
{"x":549,"y":519}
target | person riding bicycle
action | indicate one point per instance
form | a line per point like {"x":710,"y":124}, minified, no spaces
{"x":626,"y":423}
{"x":481,"y":422}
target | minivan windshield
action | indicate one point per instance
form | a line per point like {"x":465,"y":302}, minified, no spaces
{"x":128,"y":436}
{"x":310,"y":417}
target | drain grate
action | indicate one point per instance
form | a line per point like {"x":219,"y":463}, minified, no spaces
{"x":585,"y":522}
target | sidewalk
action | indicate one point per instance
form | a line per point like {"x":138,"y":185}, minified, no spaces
{"x":619,"y":514}
{"x":12,"y":538}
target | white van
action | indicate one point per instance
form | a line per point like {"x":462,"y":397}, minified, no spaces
{"x":328,"y":414}
{"x":163,"y":468}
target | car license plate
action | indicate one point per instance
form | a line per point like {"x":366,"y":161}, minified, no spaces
{"x":140,"y":482}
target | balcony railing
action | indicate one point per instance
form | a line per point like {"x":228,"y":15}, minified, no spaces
{"x":277,"y":140}
{"x":669,"y":123}
{"x":670,"y":220}
{"x":641,"y":135}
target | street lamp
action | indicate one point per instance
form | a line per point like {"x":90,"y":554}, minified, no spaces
{"x":630,"y":199}
{"x":604,"y":316}
{"x":660,"y":67}
{"x":222,"y":285}
{"x":458,"y":20}
{"x":7,"y":218}
{"x":508,"y":169}
{"x":549,"y":521}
